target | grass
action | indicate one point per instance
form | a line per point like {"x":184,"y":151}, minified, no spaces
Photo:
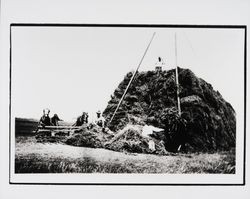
{"x":32,"y":157}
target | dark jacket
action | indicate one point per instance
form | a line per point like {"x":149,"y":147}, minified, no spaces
{"x":55,"y":119}
{"x":45,"y":121}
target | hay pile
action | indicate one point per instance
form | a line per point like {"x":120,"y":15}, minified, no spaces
{"x":131,"y":140}
{"x":128,"y":139}
{"x":85,"y":137}
{"x":207,"y":122}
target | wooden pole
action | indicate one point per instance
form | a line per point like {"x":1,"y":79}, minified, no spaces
{"x":59,"y":127}
{"x":177,"y":79}
{"x":132,"y":78}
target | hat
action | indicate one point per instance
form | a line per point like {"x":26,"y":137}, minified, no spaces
{"x":98,"y":112}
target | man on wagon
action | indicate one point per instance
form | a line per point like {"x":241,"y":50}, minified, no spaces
{"x":45,"y":119}
{"x":55,"y":119}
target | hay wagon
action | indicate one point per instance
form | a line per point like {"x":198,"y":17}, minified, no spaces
{"x":56,"y":130}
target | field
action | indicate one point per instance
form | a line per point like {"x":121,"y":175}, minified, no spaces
{"x":25,"y":126}
{"x":33,"y":157}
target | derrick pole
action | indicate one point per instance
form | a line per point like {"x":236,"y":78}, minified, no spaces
{"x":177,"y":79}
{"x":132,"y":78}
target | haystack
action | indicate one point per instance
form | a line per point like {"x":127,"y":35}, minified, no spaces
{"x":207,"y":122}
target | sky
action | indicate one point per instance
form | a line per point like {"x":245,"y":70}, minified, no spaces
{"x":74,"y":69}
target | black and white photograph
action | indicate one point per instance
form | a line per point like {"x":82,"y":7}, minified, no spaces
{"x":114,"y":99}
{"x":118,"y":99}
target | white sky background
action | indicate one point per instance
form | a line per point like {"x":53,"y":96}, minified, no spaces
{"x":75,"y":69}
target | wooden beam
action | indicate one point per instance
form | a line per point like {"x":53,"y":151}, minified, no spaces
{"x":177,"y":79}
{"x":59,"y":127}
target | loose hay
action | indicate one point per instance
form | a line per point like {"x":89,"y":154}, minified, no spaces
{"x":94,"y":137}
{"x":130,"y":139}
